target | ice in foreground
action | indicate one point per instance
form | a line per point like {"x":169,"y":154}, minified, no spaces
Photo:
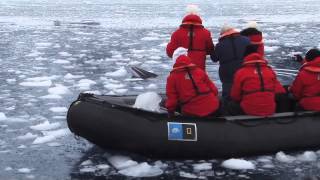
{"x":238,"y":164}
{"x":141,"y":170}
{"x":148,"y":101}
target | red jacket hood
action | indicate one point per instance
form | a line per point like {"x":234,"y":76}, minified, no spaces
{"x":182,"y":62}
{"x":192,"y":19}
{"x":312,"y":66}
{"x":254,"y":58}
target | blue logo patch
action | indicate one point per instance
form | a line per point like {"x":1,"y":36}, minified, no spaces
{"x":182,"y":131}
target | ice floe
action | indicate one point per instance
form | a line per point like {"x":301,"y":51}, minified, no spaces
{"x":51,"y":136}
{"x":58,"y":89}
{"x":58,"y":109}
{"x":45,"y":126}
{"x":119,"y":73}
{"x":84,"y":84}
{"x":61,"y":61}
{"x":148,"y":101}
{"x":202,"y":166}
{"x":24,"y":170}
{"x":71,"y":76}
{"x":65,"y":54}
{"x":238,"y":164}
{"x":141,"y":170}
{"x":121,"y":162}
{"x":2,"y":116}
{"x":282,"y":157}
{"x":27,"y":136}
{"x":307,"y":156}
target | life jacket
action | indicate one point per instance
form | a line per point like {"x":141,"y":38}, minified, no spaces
{"x":253,"y":60}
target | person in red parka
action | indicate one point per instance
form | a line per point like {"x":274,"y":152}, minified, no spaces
{"x":306,"y":86}
{"x":192,"y":36}
{"x":255,"y":36}
{"x":189,"y":88}
{"x":255,"y":85}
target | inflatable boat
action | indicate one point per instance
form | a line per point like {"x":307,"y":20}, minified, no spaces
{"x":112,"y":123}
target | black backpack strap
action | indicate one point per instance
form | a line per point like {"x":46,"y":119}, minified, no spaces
{"x":192,"y":80}
{"x":262,"y":88}
{"x":190,"y":48}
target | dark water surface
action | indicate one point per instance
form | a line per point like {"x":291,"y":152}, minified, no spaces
{"x":44,"y":67}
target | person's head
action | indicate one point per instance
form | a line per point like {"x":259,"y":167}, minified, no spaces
{"x":252,"y":24}
{"x":192,"y":15}
{"x":227,"y":30}
{"x":252,"y":48}
{"x":312,"y":54}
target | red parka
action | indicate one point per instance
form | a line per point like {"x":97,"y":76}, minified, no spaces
{"x":198,"y":99}
{"x":198,"y":46}
{"x":306,"y":86}
{"x":255,"y":85}
{"x":255,"y":37}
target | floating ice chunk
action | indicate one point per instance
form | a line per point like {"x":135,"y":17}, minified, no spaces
{"x":45,"y":126}
{"x":2,"y":116}
{"x":202,"y":166}
{"x":148,"y":101}
{"x":238,"y":164}
{"x":155,"y":57}
{"x":282,"y":157}
{"x":24,"y":170}
{"x":22,"y":147}
{"x":34,"y":54}
{"x":163,"y":44}
{"x":60,"y":61}
{"x":112,"y":86}
{"x":27,"y":136}
{"x":8,"y":169}
{"x":58,"y":90}
{"x":150,"y":38}
{"x":51,"y":96}
{"x":153,"y":62}
{"x":121,"y":162}
{"x":37,"y":84}
{"x":152,"y":86}
{"x":86,"y":163}
{"x":51,"y":136}
{"x":307,"y":156}
{"x":187,"y":175}
{"x":88,"y":170}
{"x":264,"y":159}
{"x":11,"y":81}
{"x":65,"y":54}
{"x":54,"y":144}
{"x":85,"y":84}
{"x":160,"y":164}
{"x":71,"y":76}
{"x":41,"y":59}
{"x":271,"y":41}
{"x":58,"y":109}
{"x":43,"y":44}
{"x":271,"y":48}
{"x":103,"y":166}
{"x":119,"y":73}
{"x":269,"y":166}
{"x":120,"y":91}
{"x":141,"y":170}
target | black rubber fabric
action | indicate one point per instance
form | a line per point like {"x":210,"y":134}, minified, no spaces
{"x":111,"y":123}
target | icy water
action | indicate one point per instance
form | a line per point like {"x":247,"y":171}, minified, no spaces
{"x":44,"y":67}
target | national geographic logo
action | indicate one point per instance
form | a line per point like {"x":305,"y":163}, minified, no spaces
{"x":182,"y":131}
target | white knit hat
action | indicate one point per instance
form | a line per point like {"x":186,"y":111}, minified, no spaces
{"x":192,"y":9}
{"x":179,"y":52}
{"x":252,"y":24}
{"x":225,"y":28}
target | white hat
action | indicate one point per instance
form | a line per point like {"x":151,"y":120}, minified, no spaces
{"x":192,"y":9}
{"x":225,"y":28}
{"x":179,"y":52}
{"x":252,"y":24}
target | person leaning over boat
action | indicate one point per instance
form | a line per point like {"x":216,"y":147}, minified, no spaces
{"x":193,"y":36}
{"x":229,"y":52}
{"x":189,"y":88}
{"x":306,"y":86}
{"x":255,"y":85}
{"x":251,"y":31}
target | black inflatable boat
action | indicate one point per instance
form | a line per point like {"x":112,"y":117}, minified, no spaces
{"x":112,"y":123}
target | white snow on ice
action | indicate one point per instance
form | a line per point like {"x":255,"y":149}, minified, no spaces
{"x":58,"y":109}
{"x":141,"y":170}
{"x":148,"y":101}
{"x":44,"y":126}
{"x":51,"y":136}
{"x":238,"y":164}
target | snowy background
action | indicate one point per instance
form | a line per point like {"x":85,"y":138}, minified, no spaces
{"x":44,"y":67}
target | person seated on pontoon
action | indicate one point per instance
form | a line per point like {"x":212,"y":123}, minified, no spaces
{"x":306,"y":86}
{"x":189,"y":88}
{"x":255,"y":86}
